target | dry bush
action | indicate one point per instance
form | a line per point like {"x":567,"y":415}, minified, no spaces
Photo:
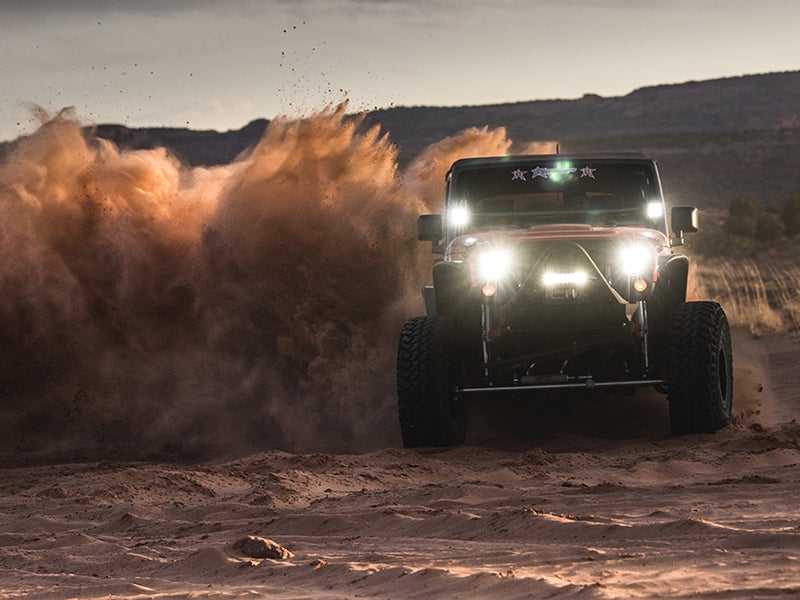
{"x":759,"y":295}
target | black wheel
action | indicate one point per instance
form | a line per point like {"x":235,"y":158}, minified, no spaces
{"x":700,"y":392}
{"x":429,"y":413}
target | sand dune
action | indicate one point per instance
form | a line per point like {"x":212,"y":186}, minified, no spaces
{"x":557,"y":511}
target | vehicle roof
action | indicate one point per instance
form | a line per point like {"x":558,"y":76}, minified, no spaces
{"x":514,"y":160}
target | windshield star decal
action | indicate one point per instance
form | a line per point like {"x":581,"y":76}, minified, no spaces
{"x":540,"y":172}
{"x":550,"y":173}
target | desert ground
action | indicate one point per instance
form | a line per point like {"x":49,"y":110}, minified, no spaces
{"x":574,"y":498}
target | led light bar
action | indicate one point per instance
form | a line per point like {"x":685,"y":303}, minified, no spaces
{"x":573,"y":278}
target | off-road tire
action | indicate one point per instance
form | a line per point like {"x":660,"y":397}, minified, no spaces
{"x":700,"y":391}
{"x":429,"y":414}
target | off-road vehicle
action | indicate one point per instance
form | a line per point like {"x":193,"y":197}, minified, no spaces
{"x":559,"y":272}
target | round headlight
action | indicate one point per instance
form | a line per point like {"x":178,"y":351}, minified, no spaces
{"x":637,"y":259}
{"x":493,"y":264}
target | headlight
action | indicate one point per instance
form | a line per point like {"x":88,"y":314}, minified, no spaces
{"x":637,"y":259}
{"x":494,"y":264}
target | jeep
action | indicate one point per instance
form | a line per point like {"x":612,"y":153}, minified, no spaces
{"x":558,"y":272}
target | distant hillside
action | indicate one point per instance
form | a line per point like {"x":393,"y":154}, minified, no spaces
{"x":197,"y":148}
{"x":753,"y":102}
{"x":709,"y":169}
{"x":714,"y":140}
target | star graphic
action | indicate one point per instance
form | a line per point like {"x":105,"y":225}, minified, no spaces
{"x":540,"y":172}
{"x":518,"y":174}
{"x":587,"y":172}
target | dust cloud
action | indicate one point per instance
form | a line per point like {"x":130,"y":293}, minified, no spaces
{"x":154,"y":309}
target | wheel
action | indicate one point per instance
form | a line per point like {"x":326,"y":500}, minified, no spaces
{"x":429,"y":412}
{"x":700,"y":389}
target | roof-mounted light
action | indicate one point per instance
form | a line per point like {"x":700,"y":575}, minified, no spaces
{"x":459,"y":216}
{"x":655,"y":210}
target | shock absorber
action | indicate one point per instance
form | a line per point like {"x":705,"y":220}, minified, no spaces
{"x":486,"y":327}
{"x":642,"y":311}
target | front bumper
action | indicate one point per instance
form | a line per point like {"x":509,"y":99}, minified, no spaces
{"x":584,"y":384}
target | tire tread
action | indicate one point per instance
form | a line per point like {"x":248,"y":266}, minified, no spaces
{"x":699,"y":330}
{"x":423,"y":392}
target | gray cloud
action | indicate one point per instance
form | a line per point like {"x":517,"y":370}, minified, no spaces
{"x":219,"y":63}
{"x":27,"y":6}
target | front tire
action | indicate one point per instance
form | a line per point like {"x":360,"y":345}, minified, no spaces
{"x":430,"y":414}
{"x":700,"y":392}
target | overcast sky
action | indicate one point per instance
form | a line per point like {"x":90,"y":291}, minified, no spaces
{"x":219,"y":64}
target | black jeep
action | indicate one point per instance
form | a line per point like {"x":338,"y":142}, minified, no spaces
{"x":559,"y":272}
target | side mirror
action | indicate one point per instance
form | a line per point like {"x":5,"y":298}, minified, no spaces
{"x":429,"y":229}
{"x":684,"y":220}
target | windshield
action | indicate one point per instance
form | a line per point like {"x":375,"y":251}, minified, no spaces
{"x":549,"y":192}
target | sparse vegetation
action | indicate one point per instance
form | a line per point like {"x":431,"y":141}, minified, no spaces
{"x":759,"y":293}
{"x":791,"y":216}
{"x":750,"y":264}
{"x":749,"y":225}
{"x":748,"y":217}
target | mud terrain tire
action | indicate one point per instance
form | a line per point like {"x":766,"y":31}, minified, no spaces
{"x":700,"y":392}
{"x":429,"y":415}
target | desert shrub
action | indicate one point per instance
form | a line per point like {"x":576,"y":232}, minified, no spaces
{"x":748,"y":218}
{"x":744,"y":215}
{"x":718,"y":243}
{"x":713,"y":239}
{"x":770,"y":226}
{"x":791,"y":216}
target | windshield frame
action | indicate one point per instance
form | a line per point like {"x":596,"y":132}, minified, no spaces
{"x":524,"y":192}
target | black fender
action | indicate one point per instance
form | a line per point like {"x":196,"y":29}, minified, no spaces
{"x":669,"y":292}
{"x":673,"y":277}
{"x":457,"y":300}
{"x":451,"y":283}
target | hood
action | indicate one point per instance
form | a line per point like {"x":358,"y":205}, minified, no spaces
{"x":462,"y":246}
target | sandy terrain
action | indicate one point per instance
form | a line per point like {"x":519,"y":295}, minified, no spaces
{"x":592,"y":500}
